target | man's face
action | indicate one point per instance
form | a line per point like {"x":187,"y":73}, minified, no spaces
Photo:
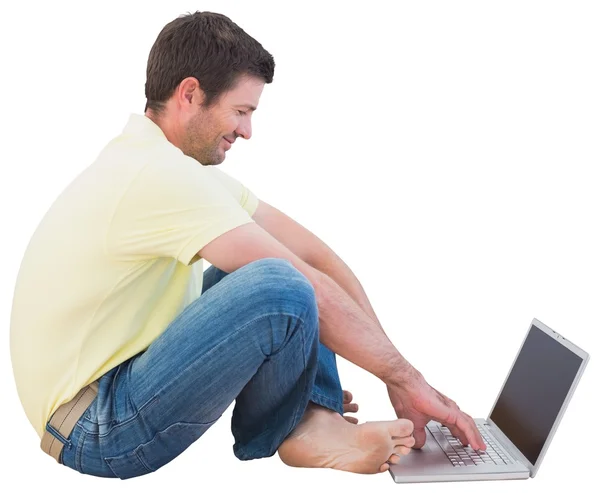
{"x":211,"y":132}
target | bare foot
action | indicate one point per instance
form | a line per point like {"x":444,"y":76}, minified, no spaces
{"x":323,"y":438}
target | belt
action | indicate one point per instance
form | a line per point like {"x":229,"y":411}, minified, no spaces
{"x":65,"y":418}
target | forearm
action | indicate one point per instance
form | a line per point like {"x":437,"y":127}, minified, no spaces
{"x":347,"y":330}
{"x":334,"y":267}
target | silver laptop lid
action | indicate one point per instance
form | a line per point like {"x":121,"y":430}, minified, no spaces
{"x":536,"y":392}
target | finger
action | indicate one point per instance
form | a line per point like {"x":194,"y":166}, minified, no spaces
{"x":420,"y":436}
{"x":350,"y":419}
{"x":463,"y":427}
{"x":477,"y":438}
{"x":471,"y":433}
{"x":459,"y":434}
{"x":384,"y":467}
{"x":347,"y":396}
{"x":459,"y":428}
{"x":479,"y":442}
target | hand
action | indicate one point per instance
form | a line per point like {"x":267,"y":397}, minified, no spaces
{"x":417,"y":401}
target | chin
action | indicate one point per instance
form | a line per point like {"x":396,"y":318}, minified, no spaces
{"x":212,"y":161}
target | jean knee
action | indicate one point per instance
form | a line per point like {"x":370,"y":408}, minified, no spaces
{"x":280,"y":278}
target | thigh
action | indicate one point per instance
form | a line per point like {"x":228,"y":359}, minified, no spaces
{"x":212,"y":276}
{"x":210,"y":346}
{"x":159,"y":402}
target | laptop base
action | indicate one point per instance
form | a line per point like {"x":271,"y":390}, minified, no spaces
{"x":431,"y":465}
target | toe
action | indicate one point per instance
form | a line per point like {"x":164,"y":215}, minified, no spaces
{"x":402,"y":428}
{"x":404,"y":441}
{"x":394,"y":459}
{"x":402,"y":450}
{"x":350,"y":407}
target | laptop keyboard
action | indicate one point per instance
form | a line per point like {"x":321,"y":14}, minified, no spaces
{"x":466,"y":456}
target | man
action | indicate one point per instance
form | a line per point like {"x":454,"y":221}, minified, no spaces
{"x":125,"y":351}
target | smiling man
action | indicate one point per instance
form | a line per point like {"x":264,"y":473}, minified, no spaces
{"x":206,"y":134}
{"x":125,"y":351}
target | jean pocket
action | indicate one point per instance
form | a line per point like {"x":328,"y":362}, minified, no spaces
{"x":162,"y":449}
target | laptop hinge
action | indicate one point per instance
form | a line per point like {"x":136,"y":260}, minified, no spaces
{"x":508,"y":445}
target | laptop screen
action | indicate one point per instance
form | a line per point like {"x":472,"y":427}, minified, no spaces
{"x":535,"y":391}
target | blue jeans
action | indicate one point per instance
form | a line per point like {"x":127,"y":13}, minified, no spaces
{"x":252,"y":337}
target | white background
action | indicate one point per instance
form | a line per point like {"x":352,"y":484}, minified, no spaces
{"x":447,"y":151}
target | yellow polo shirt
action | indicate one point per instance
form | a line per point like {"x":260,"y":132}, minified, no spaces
{"x":113,"y":262}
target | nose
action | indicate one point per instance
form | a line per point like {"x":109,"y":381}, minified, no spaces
{"x":244,"y":129}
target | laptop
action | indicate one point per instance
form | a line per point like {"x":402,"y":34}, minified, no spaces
{"x":520,"y":426}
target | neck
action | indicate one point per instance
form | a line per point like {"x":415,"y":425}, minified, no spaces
{"x":173,"y":132}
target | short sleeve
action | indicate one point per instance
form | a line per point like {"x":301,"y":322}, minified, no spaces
{"x":243,"y":195}
{"x":173,"y":208}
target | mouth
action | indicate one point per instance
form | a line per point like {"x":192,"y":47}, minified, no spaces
{"x":230,"y":141}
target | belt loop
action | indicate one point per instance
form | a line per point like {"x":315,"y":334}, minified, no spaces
{"x":56,"y":434}
{"x":64,"y":419}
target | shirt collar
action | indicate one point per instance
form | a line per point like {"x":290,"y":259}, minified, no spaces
{"x":142,"y":126}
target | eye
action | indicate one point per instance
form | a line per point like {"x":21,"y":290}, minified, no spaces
{"x":240,"y":112}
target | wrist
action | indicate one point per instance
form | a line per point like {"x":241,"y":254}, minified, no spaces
{"x":402,"y":375}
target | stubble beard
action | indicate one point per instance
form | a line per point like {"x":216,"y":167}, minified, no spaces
{"x":206,"y":153}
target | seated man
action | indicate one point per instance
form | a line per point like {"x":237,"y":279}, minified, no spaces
{"x":125,"y":351}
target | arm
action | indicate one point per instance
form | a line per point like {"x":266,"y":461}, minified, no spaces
{"x":314,"y":252}
{"x":347,"y":305}
{"x":334,"y":267}
{"x":360,"y":341}
{"x":309,"y":248}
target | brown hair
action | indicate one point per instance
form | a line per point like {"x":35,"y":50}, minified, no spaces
{"x":209,"y":47}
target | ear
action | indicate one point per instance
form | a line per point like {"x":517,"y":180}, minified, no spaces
{"x":189,"y":94}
